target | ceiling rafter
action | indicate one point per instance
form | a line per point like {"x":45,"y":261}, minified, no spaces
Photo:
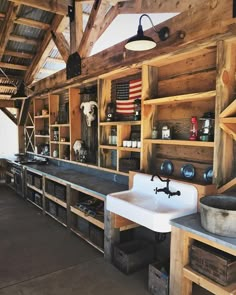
{"x":54,"y":6}
{"x":13,"y":66}
{"x":25,"y":40}
{"x":92,"y":30}
{"x":7,"y":26}
{"x":31,"y":23}
{"x":19,"y":54}
{"x":58,"y":25}
{"x":61,"y":44}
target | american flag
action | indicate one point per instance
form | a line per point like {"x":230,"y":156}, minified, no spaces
{"x":126,"y":93}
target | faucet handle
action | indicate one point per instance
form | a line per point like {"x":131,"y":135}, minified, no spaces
{"x":156,"y":190}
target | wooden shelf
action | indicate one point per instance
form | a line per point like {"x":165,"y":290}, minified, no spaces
{"x":34,"y":188}
{"x":93,"y":220}
{"x":227,"y":186}
{"x":60,"y":125}
{"x":108,"y":147}
{"x":120,"y":123}
{"x":229,"y":120}
{"x":127,"y":149}
{"x":207,"y":283}
{"x":42,"y":136}
{"x":180,"y":142}
{"x":42,"y":117}
{"x":56,"y":200}
{"x":64,"y":142}
{"x":229,"y":111}
{"x":29,"y":127}
{"x":34,"y":204}
{"x":54,"y":217}
{"x":181,"y":98}
{"x":86,"y":239}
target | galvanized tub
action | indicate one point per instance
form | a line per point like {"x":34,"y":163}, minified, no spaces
{"x":218,"y":214}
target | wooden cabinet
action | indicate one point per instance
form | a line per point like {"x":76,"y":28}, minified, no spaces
{"x":182,"y":275}
{"x":34,"y":189}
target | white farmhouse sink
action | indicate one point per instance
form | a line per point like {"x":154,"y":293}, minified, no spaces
{"x":143,"y":206}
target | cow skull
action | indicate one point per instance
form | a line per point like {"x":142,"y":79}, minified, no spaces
{"x":89,"y":111}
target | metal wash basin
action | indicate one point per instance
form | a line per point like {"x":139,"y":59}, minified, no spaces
{"x":147,"y":207}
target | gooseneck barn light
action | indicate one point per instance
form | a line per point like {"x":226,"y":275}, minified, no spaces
{"x":140,"y":42}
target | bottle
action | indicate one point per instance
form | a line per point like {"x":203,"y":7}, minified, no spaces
{"x":193,"y":129}
{"x":154,"y":132}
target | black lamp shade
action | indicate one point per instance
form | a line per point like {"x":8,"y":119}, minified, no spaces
{"x":140,"y":42}
{"x":20,"y":94}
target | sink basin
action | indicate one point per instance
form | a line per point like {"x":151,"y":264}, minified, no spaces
{"x":143,"y":206}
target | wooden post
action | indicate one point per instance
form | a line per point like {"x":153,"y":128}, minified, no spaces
{"x":225,"y":86}
{"x":111,"y":234}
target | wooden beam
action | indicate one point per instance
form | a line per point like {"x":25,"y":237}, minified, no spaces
{"x":61,"y":44}
{"x":24,"y":111}
{"x":158,"y":6}
{"x":92,"y":30}
{"x":225,"y":85}
{"x":54,"y":6}
{"x":19,"y":54}
{"x":110,"y":16}
{"x":25,"y":40}
{"x":9,"y":115}
{"x":7,"y":103}
{"x":58,"y":24}
{"x":31,"y":23}
{"x":7,"y":26}
{"x":13,"y":66}
{"x":76,"y":28}
{"x":218,"y":19}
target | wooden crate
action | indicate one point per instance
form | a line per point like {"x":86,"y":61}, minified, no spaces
{"x":158,"y":279}
{"x":132,"y":256}
{"x":213,"y":263}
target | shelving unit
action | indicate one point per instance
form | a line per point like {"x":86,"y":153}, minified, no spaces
{"x":87,"y":217}
{"x":172,"y":94}
{"x":29,"y":130}
{"x":34,"y":189}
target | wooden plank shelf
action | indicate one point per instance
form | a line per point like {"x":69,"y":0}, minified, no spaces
{"x":42,"y":117}
{"x":64,"y":142}
{"x":181,"y":98}
{"x":60,"y":125}
{"x":90,"y":219}
{"x":229,"y":120}
{"x":127,"y":149}
{"x":207,"y":283}
{"x":55,"y":218}
{"x":42,"y":136}
{"x":108,"y":147}
{"x":29,"y":127}
{"x":180,"y":142}
{"x":34,"y":204}
{"x":120,"y":123}
{"x":79,"y":234}
{"x":34,"y":188}
{"x":56,"y":200}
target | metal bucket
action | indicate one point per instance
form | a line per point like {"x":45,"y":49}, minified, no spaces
{"x":218,"y":215}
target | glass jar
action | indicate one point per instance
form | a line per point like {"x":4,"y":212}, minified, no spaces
{"x":154,"y":132}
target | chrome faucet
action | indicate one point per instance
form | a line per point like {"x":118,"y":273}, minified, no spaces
{"x":166,"y":189}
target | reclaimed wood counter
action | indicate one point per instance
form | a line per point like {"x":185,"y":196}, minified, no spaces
{"x":185,"y":230}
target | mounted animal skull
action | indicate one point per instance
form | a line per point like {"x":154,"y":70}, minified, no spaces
{"x":89,"y":111}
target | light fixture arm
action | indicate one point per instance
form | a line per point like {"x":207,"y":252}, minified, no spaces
{"x":164,"y":32}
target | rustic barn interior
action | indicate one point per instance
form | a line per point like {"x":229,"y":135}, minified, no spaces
{"x":124,"y":178}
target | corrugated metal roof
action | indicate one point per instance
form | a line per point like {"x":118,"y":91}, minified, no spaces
{"x":21,"y":47}
{"x":16,"y":60}
{"x":28,"y":32}
{"x":36,"y":14}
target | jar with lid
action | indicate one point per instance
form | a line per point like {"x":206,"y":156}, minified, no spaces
{"x":154,"y":132}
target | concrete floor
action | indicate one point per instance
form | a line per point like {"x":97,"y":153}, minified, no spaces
{"x":38,"y":256}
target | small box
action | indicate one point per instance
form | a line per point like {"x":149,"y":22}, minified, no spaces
{"x":30,"y":195}
{"x":50,"y":187}
{"x":52,"y":208}
{"x":96,"y":235}
{"x":83,"y":226}
{"x":134,"y":255}
{"x":30,"y":179}
{"x":62,"y":214}
{"x":60,"y":191}
{"x":213,"y":263}
{"x":158,"y":279}
{"x":38,"y":181}
{"x":38,"y":199}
